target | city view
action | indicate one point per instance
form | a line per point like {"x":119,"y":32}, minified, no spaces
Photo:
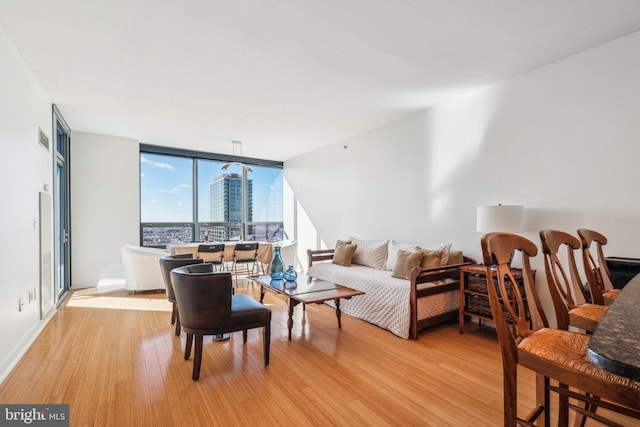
{"x":159,"y":236}
{"x":168,"y":190}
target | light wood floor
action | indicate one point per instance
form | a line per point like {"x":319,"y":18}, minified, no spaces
{"x":114,"y":358}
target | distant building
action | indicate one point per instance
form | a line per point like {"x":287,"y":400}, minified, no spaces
{"x":225,"y":198}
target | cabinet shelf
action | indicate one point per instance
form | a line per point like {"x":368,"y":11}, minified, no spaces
{"x":474,"y":299}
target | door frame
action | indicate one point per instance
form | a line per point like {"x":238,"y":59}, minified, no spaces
{"x":62,"y":227}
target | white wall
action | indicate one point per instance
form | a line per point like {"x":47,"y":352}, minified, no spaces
{"x":26,"y":169}
{"x":562,"y":140}
{"x":105,"y":206}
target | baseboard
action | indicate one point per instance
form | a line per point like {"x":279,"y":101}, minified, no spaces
{"x":22,"y":347}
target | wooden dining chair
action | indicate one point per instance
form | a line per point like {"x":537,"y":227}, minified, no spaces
{"x":213,"y":254}
{"x":553,"y":354}
{"x":208,"y":307}
{"x":595,"y":266}
{"x":565,"y":285}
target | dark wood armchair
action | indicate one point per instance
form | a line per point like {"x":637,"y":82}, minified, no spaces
{"x":208,"y":307}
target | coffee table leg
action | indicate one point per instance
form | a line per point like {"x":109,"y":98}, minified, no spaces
{"x":290,"y":320}
{"x":338,"y":312}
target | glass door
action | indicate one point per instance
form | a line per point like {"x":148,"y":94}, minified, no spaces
{"x":62,"y":135}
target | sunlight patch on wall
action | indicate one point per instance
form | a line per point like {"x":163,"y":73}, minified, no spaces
{"x":307,"y":232}
{"x":456,"y":132}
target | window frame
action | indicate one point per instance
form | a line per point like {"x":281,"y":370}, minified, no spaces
{"x":195,"y":156}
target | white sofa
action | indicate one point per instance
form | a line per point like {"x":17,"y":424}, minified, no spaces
{"x":402,"y":306}
{"x":142,"y":268}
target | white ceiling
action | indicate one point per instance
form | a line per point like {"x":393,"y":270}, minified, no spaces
{"x":286,"y":77}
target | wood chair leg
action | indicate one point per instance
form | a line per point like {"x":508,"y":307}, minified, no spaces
{"x":563,"y":407}
{"x":197,"y":358}
{"x":174,"y":311}
{"x":581,"y":419}
{"x":510,"y":395}
{"x":187,"y":346}
{"x":266,"y":342}
{"x":543,"y":398}
{"x":178,"y":326}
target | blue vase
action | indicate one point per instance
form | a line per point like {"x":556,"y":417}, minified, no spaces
{"x":277,"y":265}
{"x":290,"y":275}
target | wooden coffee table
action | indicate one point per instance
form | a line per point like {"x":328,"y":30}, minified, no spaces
{"x":306,"y":290}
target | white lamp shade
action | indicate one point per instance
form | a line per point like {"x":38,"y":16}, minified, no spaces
{"x":500,"y":218}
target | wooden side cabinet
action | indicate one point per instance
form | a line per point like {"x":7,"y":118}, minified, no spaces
{"x":474,"y":299}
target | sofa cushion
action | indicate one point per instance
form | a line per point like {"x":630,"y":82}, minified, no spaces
{"x":431,"y":259}
{"x":343,"y":253}
{"x":392,"y":252}
{"x":455,"y":257}
{"x":405,"y":263}
{"x":435,"y":256}
{"x":370,"y":253}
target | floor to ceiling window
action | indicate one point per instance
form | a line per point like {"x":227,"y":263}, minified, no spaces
{"x":185,"y":196}
{"x":62,"y":204}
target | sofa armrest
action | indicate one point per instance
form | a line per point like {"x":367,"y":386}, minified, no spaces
{"x":419,"y":276}
{"x":319,"y":255}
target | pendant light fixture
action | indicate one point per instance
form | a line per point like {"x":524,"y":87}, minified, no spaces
{"x":237,"y":145}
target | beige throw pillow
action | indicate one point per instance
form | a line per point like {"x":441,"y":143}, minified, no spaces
{"x":405,"y":263}
{"x":441,"y":253}
{"x":455,"y":257}
{"x":431,"y":259}
{"x":343,"y":253}
{"x":392,"y":252}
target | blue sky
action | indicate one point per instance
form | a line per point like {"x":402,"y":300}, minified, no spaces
{"x":166,"y":189}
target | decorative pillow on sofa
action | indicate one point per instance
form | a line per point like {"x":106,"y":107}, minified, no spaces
{"x":431,"y":259}
{"x":392,"y":252}
{"x":455,"y":257}
{"x":370,"y":253}
{"x":405,"y":263}
{"x":343,"y":253}
{"x":436,"y":257}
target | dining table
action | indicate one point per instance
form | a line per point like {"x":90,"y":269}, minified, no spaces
{"x":615,"y":344}
{"x":265,"y":249}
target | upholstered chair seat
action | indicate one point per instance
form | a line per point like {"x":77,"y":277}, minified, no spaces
{"x":207,"y":306}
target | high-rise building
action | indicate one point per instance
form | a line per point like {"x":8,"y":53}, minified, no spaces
{"x":225,"y":195}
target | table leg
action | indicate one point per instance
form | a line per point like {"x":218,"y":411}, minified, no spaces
{"x":338,"y":312}
{"x":290,"y":320}
{"x":261,"y":293}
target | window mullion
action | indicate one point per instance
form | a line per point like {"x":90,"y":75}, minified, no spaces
{"x":194,"y":202}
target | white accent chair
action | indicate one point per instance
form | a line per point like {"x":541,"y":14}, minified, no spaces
{"x":142,"y":268}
